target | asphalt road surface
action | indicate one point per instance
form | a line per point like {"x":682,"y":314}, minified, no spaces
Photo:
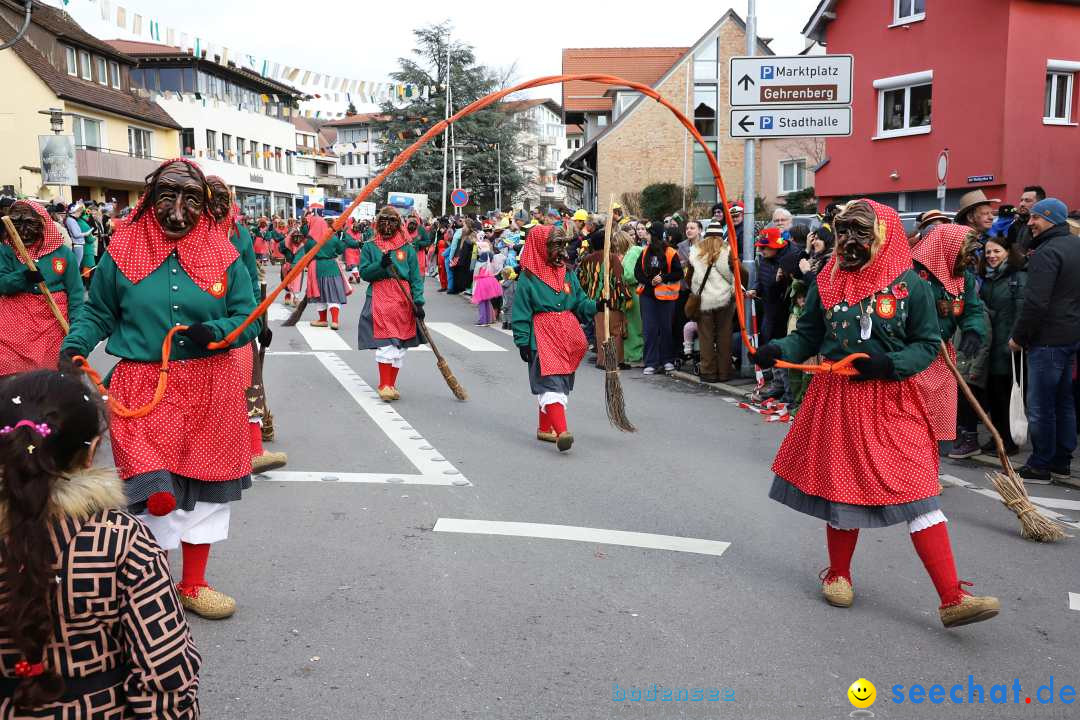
{"x":372,"y":582}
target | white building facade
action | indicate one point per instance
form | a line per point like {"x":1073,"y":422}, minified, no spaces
{"x":358,"y":148}
{"x":542,"y":140}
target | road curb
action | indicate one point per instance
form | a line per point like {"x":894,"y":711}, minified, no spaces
{"x":735,"y":391}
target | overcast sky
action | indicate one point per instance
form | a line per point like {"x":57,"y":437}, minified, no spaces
{"x":362,"y":40}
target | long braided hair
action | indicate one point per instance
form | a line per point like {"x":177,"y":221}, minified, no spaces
{"x":31,"y":463}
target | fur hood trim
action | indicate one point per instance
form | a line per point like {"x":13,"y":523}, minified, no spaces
{"x":82,"y":495}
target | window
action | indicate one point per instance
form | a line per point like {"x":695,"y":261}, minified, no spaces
{"x":266,"y":157}
{"x":792,"y":176}
{"x":226,"y":147}
{"x":241,"y":151}
{"x":211,"y":144}
{"x":703,"y":177}
{"x":138,"y":142}
{"x":87,"y":132}
{"x":72,"y":63}
{"x":102,"y":78}
{"x":277,"y":159}
{"x":288,"y":163}
{"x":171,"y":79}
{"x":363,"y":135}
{"x":908,"y":11}
{"x":705,"y":109}
{"x":1057,"y":105}
{"x":187,"y":142}
{"x":705,"y":61}
{"x":602,"y":120}
{"x":114,"y":74}
{"x":84,"y":65}
{"x":624,"y":101}
{"x":904,"y":104}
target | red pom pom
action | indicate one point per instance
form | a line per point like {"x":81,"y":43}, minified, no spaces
{"x":161,"y":503}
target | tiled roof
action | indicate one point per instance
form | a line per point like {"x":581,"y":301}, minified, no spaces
{"x":574,"y":130}
{"x":643,"y":65}
{"x":358,"y":119}
{"x":136,"y":47}
{"x":76,"y":89}
{"x":516,"y":106}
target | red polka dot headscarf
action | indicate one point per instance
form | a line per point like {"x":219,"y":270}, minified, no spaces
{"x":534,"y":258}
{"x":139,"y":247}
{"x":892,"y":259}
{"x":50,"y":235}
{"x":937,"y":252}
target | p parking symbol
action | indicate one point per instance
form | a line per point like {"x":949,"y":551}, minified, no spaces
{"x":767,"y":72}
{"x":765,"y":122}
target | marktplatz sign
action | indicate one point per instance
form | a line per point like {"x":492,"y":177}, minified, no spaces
{"x":791,"y":80}
{"x":790,"y":122}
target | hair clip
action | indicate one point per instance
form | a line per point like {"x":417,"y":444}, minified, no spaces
{"x":41,"y":429}
{"x":17,"y":400}
{"x":25,"y":669}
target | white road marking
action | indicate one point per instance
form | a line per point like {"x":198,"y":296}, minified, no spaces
{"x":582,"y":534}
{"x":322,"y":338}
{"x":468,"y":340}
{"x":1074,"y":601}
{"x":330,"y":476}
{"x":951,"y":480}
{"x":1060,"y":503}
{"x":408,"y":440}
{"x":278,"y":313}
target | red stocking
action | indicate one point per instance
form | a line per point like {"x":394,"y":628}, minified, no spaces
{"x":255,"y":430}
{"x":935,"y":551}
{"x":322,"y":316}
{"x":334,"y":314}
{"x":194,"y":567}
{"x":841,"y":547}
{"x":545,"y":423}
{"x":386,"y":375}
{"x":393,"y":375}
{"x":556,"y":413}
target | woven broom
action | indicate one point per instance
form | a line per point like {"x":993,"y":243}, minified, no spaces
{"x":615,"y":401}
{"x":440,"y":361}
{"x":1033,"y":524}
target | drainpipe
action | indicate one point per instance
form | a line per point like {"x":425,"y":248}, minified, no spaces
{"x":26,"y":24}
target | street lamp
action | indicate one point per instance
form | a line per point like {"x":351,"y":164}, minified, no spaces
{"x":56,"y":119}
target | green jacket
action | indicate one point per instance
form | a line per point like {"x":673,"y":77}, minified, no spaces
{"x":135,"y":317}
{"x":423,"y":239}
{"x":326,"y":259}
{"x":407,"y":266}
{"x":534,"y":296}
{"x":290,"y":256}
{"x":90,"y":247}
{"x":13,"y":280}
{"x":907,"y":332}
{"x":241,"y":239}
{"x":972,"y":317}
{"x":1003,"y":295}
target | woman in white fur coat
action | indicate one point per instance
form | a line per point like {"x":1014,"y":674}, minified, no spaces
{"x":713,"y":279}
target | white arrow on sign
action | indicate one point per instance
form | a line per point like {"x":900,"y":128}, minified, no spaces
{"x":790,"y":122}
{"x":791,"y":80}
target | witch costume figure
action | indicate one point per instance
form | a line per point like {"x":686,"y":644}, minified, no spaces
{"x":394,"y":305}
{"x":942,"y":258}
{"x":186,"y":461}
{"x":549,"y":307}
{"x":861,"y":452}
{"x":32,"y":336}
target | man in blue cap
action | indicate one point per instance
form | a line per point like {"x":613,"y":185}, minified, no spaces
{"x":1048,"y":327}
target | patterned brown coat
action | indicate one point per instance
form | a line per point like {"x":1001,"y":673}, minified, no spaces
{"x":117,"y":608}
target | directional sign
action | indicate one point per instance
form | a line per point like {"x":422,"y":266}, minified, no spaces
{"x":794,"y":80}
{"x":459,"y":197}
{"x":790,"y":122}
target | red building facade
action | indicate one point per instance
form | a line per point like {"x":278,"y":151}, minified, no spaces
{"x":993,"y":81}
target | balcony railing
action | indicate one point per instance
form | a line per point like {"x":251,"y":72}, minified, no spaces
{"x":110,"y":165}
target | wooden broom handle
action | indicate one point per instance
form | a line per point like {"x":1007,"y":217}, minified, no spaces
{"x":607,"y":265}
{"x":1000,"y":446}
{"x":28,"y":261}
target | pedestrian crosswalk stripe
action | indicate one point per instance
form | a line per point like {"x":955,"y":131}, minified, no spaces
{"x":322,"y":338}
{"x":468,"y":340}
{"x":1060,"y":503}
{"x":582,"y":534}
{"x":1074,"y":601}
{"x":278,"y":313}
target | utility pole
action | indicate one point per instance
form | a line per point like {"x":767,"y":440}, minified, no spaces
{"x":446,"y":116}
{"x":748,"y":146}
{"x":498,"y":192}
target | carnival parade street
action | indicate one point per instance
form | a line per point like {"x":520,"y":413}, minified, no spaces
{"x":430,"y":362}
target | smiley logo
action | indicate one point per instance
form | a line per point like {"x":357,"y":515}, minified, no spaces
{"x":862,"y":693}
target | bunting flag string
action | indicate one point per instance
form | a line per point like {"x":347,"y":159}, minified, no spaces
{"x":328,"y":87}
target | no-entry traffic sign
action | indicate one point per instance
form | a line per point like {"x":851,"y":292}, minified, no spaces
{"x":790,"y":122}
{"x":459,"y":197}
{"x":791,"y":80}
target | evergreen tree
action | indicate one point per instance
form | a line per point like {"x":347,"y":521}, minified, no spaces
{"x":476,"y":134}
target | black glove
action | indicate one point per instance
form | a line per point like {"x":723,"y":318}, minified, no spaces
{"x":33,"y":277}
{"x":420,"y":314}
{"x":200,"y":334}
{"x":766,"y":356}
{"x":969,"y":343}
{"x":65,"y":364}
{"x":385,"y":261}
{"x":266,"y":337}
{"x":526,"y":353}
{"x":600,"y":305}
{"x":875,"y":367}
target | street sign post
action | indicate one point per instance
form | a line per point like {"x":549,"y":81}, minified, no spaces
{"x":459,"y":197}
{"x":942,"y":172}
{"x":794,"y":80}
{"x":790,"y":122}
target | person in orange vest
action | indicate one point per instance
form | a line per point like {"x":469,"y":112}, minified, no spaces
{"x":658,"y":273}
